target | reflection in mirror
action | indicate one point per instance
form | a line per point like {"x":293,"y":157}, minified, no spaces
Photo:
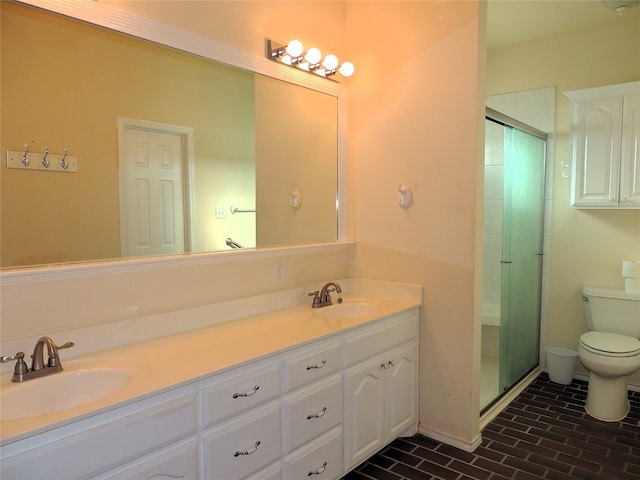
{"x":166,"y":142}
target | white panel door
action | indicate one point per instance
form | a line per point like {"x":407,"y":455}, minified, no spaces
{"x":153,"y":216}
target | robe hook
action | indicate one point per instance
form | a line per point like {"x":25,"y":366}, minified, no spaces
{"x":45,"y":162}
{"x":25,"y":160}
{"x":63,"y":163}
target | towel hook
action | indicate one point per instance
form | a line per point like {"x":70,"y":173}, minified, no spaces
{"x":63,"y":163}
{"x":45,"y":162}
{"x":25,"y":160}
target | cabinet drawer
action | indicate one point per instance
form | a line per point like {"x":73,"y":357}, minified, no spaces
{"x":320,"y":460}
{"x":241,"y":447}
{"x":181,"y":462}
{"x":248,"y":389}
{"x":311,"y":366}
{"x":102,"y":447}
{"x":378,"y":339}
{"x":312,"y":411}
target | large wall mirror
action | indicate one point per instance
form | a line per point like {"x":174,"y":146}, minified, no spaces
{"x":176,"y":153}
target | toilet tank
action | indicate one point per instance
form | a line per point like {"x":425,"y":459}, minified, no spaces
{"x":612,"y":310}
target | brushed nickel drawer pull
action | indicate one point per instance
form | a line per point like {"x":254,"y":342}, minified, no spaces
{"x":247,"y":394}
{"x":319,"y":471}
{"x":317,"y":365}
{"x":249,"y":451}
{"x":317,"y":415}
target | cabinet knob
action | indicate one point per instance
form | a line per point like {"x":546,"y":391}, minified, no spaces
{"x":624,"y":199}
{"x":612,"y":199}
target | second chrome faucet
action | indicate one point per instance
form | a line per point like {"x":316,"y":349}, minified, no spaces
{"x":322,"y":298}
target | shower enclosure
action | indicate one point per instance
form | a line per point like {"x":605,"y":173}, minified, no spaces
{"x":514,"y":207}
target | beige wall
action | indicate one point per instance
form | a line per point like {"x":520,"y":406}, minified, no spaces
{"x":415,"y":121}
{"x":587,"y":246}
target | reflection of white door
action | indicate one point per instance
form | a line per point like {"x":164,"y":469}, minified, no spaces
{"x":153,"y":209}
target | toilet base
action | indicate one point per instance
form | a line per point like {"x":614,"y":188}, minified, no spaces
{"x":607,"y":398}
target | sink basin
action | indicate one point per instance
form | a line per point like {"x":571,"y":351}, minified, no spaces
{"x":347,"y":310}
{"x":70,"y":388}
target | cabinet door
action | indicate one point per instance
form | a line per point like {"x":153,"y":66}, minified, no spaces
{"x":401,"y":383}
{"x":596,"y":132}
{"x":630,"y":155}
{"x":364,"y":431}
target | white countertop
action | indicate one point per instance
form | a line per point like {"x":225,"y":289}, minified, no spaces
{"x":182,"y":358}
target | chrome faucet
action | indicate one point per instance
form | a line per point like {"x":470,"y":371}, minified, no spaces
{"x":322,"y":298}
{"x":21,"y":372}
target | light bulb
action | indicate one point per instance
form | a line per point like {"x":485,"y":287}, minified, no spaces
{"x":330,"y":62}
{"x":346,"y":69}
{"x":294,"y":48}
{"x":313,"y":56}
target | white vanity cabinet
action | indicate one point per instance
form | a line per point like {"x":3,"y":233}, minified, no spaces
{"x":134,"y":433}
{"x":283,"y":416}
{"x":605,"y":132}
{"x":381,"y":387}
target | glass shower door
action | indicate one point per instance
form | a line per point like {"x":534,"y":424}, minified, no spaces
{"x":524,"y":159}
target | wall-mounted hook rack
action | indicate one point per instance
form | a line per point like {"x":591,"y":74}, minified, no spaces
{"x":41,"y":161}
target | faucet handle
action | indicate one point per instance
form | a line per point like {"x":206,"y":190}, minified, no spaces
{"x":316,"y":298}
{"x":21,"y":367}
{"x":54,"y":360}
{"x":66,"y":345}
{"x":7,"y":358}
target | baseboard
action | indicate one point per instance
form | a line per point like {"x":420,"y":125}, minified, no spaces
{"x":453,"y":441}
{"x":502,"y":403}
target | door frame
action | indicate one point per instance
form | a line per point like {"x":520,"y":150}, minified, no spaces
{"x":188,"y":168}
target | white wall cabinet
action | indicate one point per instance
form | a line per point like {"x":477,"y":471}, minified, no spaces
{"x":605,"y":134}
{"x":381,"y":392}
{"x":282,"y":417}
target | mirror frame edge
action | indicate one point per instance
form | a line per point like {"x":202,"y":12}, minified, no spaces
{"x":144,"y":28}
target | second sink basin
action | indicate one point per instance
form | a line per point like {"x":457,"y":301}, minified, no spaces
{"x":350,"y":309}
{"x":73,"y":387}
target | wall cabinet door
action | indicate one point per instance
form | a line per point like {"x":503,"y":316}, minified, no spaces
{"x":630,"y":152}
{"x":605,"y":129}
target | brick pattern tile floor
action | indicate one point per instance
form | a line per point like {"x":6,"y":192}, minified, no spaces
{"x":544,"y":433}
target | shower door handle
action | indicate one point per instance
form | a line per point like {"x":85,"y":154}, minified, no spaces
{"x":506,"y":261}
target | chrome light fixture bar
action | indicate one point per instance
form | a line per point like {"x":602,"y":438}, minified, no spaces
{"x":293,"y":55}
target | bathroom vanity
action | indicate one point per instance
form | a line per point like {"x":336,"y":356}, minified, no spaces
{"x":290,"y":393}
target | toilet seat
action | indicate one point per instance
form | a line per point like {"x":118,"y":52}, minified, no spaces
{"x":610,"y":344}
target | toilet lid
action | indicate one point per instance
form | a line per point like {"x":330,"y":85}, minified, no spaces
{"x":611,"y":344}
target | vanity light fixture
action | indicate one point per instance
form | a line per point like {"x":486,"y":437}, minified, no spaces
{"x":293,"y":54}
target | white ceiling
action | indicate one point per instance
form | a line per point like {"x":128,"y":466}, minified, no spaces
{"x":515,"y":21}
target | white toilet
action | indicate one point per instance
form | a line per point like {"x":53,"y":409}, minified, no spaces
{"x":611,"y":350}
